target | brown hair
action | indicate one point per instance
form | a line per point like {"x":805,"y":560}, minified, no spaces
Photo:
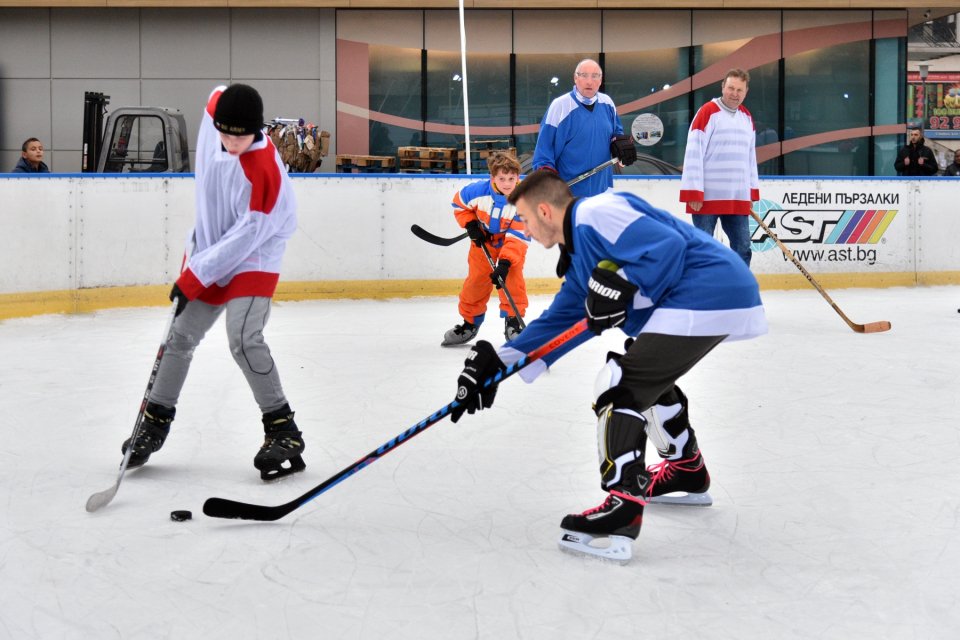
{"x":503,"y":163}
{"x":27,"y":143}
{"x":739,"y":74}
{"x":543,"y":185}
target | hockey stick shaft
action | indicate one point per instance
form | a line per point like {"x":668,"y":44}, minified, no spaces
{"x":503,"y":285}
{"x":220,"y":508}
{"x":873,"y":327}
{"x":425,"y":235}
{"x":103,"y":498}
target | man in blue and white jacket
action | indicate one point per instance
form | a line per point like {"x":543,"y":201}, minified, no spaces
{"x":677,"y":292}
{"x":581,"y":130}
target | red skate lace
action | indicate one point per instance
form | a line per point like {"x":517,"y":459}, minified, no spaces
{"x":663,"y":471}
{"x":596,"y":509}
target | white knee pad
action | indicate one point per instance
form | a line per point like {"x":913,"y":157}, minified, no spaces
{"x":607,"y":378}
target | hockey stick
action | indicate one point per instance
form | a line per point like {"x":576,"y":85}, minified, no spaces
{"x":220,"y":508}
{"x":504,"y":286}
{"x":102,"y":499}
{"x":872,"y":327}
{"x":423,"y":234}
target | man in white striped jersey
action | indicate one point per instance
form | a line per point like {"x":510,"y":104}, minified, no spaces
{"x":720,"y":165}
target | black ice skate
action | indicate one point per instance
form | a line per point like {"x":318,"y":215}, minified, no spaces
{"x":682,"y":482}
{"x":283,"y":444}
{"x":618,"y":519}
{"x":153,"y":432}
{"x":460,"y":334}
{"x":511,"y":327}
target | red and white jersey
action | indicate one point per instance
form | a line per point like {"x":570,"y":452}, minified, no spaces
{"x":246,"y":212}
{"x":720,"y":164}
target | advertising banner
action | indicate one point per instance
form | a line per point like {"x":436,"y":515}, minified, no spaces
{"x":936,"y":104}
{"x":836,"y":227}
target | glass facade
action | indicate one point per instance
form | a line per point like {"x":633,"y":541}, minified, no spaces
{"x":820,"y":83}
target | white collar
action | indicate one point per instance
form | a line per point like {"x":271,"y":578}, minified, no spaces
{"x":580,"y":97}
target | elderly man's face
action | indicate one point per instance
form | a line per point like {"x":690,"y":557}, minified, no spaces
{"x":915,"y":136}
{"x":587,"y":78}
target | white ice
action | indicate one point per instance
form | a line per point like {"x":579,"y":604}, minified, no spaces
{"x":834,"y":459}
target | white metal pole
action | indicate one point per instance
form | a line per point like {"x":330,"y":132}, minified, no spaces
{"x":463,"y":76}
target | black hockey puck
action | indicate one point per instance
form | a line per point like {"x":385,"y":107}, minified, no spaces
{"x":180,"y":516}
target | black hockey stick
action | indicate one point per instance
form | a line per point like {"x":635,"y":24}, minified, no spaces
{"x":220,"y":508}
{"x":103,"y":498}
{"x":423,"y":234}
{"x":504,"y":286}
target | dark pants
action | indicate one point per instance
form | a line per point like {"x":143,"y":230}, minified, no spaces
{"x":736,"y":227}
{"x":655,"y":361}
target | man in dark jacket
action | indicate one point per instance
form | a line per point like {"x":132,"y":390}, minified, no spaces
{"x":953,"y":170}
{"x":916,"y":159}
{"x":31,"y":158}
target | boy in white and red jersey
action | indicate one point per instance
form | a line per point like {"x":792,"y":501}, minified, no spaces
{"x":720,"y":165}
{"x":482,"y":209}
{"x":246,"y":212}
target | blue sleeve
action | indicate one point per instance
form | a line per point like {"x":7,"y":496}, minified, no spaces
{"x":545,"y":155}
{"x":617,"y":125}
{"x":651,"y":254}
{"x":565,"y":311}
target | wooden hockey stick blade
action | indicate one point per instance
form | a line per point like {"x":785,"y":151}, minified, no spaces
{"x":423,"y":234}
{"x":873,"y":327}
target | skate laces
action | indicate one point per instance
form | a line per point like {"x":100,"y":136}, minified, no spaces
{"x":598,"y":509}
{"x":663,"y":471}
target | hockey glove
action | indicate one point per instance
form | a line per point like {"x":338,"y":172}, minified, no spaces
{"x":607,"y":302}
{"x":477,"y":234}
{"x":180,"y":297}
{"x":622,"y":148}
{"x":564,"y":262}
{"x":481,"y":363}
{"x":500,"y":273}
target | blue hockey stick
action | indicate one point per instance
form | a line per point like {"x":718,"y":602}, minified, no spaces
{"x":220,"y":508}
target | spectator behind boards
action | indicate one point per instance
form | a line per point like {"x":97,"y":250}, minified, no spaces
{"x":720,"y":165}
{"x":953,"y":170}
{"x":31,"y":158}
{"x":916,"y":159}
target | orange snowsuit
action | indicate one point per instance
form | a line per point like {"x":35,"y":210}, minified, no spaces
{"x":482,"y":201}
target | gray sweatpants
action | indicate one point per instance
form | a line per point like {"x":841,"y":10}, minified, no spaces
{"x":246,"y":318}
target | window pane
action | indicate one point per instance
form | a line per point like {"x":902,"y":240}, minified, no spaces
{"x":394,"y":90}
{"x":827,"y":90}
{"x":137,"y":146}
{"x":890,"y":81}
{"x":841,"y":158}
{"x":540,"y":79}
{"x":488,"y":75}
{"x":634,"y":75}
{"x":885,"y":150}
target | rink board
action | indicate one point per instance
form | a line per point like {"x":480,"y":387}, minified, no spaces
{"x":85,"y":242}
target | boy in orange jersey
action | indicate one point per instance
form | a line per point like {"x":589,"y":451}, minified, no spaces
{"x":481,"y":208}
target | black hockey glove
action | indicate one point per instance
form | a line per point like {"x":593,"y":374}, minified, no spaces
{"x":607,"y":302}
{"x":622,"y":149}
{"x":503,"y":267}
{"x":482,"y":362}
{"x":564,"y":262}
{"x":180,"y":297}
{"x":477,"y":234}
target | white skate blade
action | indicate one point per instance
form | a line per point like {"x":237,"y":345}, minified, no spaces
{"x":578,"y":544}
{"x":683,"y":499}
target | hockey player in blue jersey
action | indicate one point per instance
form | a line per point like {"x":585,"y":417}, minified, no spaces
{"x":581,"y":130}
{"x":678,"y":293}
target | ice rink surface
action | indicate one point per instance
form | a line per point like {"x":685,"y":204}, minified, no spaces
{"x":833,"y":457}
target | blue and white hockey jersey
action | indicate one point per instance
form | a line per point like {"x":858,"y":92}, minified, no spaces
{"x":689,"y":284}
{"x":574,"y":139}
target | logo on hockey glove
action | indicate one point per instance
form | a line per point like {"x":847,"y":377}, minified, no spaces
{"x":461,"y":393}
{"x":606,"y":292}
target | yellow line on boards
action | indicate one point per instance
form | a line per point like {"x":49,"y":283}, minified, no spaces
{"x":21,"y":305}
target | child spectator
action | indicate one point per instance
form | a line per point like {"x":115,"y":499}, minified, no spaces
{"x":31,"y":158}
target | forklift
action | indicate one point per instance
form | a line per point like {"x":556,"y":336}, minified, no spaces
{"x":134,"y":140}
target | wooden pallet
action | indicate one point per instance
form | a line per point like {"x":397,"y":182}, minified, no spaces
{"x":353,"y":161}
{"x":427,"y":153}
{"x":483,"y":154}
{"x":449,"y":165}
{"x":410,"y":170}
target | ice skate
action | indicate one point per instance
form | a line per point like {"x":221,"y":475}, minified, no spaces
{"x":282,"y":446}
{"x":681,"y":482}
{"x":153,"y":433}
{"x":617,"y":521}
{"x":460,"y":334}
{"x":511,"y":328}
